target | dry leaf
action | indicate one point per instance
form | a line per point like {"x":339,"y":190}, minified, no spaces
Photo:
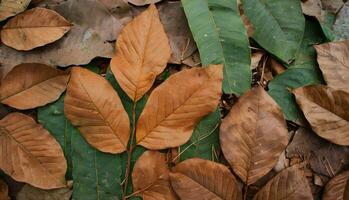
{"x":202,"y":179}
{"x":337,"y":187}
{"x":253,"y":135}
{"x":31,"y":85}
{"x":312,"y":8}
{"x":142,"y":53}
{"x":10,"y":8}
{"x":31,"y":193}
{"x":3,"y":191}
{"x":92,"y":105}
{"x":334,"y":64}
{"x":26,"y":30}
{"x":289,"y":184}
{"x":142,"y":2}
{"x":150,"y":177}
{"x":174,"y":108}
{"x":325,"y":110}
{"x":30,"y":154}
{"x":256,"y":58}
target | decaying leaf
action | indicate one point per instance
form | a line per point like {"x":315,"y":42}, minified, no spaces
{"x":143,"y":2}
{"x":325,"y":110}
{"x":29,"y":192}
{"x":10,"y":8}
{"x":3,"y":191}
{"x":337,"y":187}
{"x":30,"y":154}
{"x":289,"y":184}
{"x":253,"y":135}
{"x":334,"y":64}
{"x":26,"y":30}
{"x":312,"y":8}
{"x":256,"y":58}
{"x":196,"y":178}
{"x":142,"y":53}
{"x":31,"y":85}
{"x":150,"y":177}
{"x":176,"y":106}
{"x":92,"y":105}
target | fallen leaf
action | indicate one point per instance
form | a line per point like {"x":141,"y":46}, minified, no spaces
{"x":256,"y":58}
{"x":202,"y":179}
{"x":9,"y":8}
{"x":92,"y":105}
{"x":332,"y":5}
{"x":176,"y":106}
{"x":290,"y":184}
{"x":337,"y":187}
{"x":3,"y":191}
{"x":143,"y":2}
{"x":26,"y":30}
{"x":30,"y":154}
{"x":253,"y":135}
{"x":31,"y":85}
{"x":341,"y":24}
{"x":312,"y":8}
{"x":323,"y":107}
{"x":142,"y":53}
{"x":332,"y":58}
{"x":150,"y":177}
{"x":29,"y":192}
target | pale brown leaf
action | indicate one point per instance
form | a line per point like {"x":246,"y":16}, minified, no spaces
{"x":3,"y":191}
{"x":142,"y":52}
{"x":31,"y":85}
{"x":150,"y":177}
{"x":289,"y":184}
{"x":92,"y":105}
{"x":142,"y":2}
{"x":29,"y":192}
{"x":197,"y":179}
{"x":174,"y":108}
{"x":334,"y":64}
{"x":336,"y":188}
{"x":10,"y":8}
{"x":30,"y":154}
{"x":253,"y":135}
{"x":326,"y":111}
{"x":34,"y":28}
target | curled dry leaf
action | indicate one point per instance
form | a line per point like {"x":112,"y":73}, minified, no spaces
{"x":150,"y":177}
{"x":92,"y":105}
{"x":337,"y":187}
{"x":290,"y":184}
{"x":334,"y":64}
{"x":26,"y":30}
{"x":143,"y":2}
{"x":202,"y":179}
{"x":31,"y":85}
{"x":29,"y":192}
{"x":10,"y":8}
{"x":253,"y":135}
{"x":174,"y":108}
{"x":30,"y":154}
{"x":142,"y":53}
{"x":326,"y":111}
{"x":3,"y":191}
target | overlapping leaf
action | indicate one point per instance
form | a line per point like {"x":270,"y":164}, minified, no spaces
{"x":30,"y":154}
{"x":337,"y":188}
{"x":202,"y":179}
{"x":142,"y":2}
{"x":176,"y":106}
{"x":253,"y":135}
{"x":10,"y":8}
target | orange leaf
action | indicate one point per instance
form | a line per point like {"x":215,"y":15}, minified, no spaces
{"x":174,"y":108}
{"x":30,"y":154}
{"x":32,"y":85}
{"x":337,"y":187}
{"x":142,"y":52}
{"x":92,"y":105}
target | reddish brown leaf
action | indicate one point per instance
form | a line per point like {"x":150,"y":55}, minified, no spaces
{"x":337,"y":187}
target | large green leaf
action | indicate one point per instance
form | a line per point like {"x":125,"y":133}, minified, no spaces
{"x":278,"y":25}
{"x":204,"y":143}
{"x":221,"y":39}
{"x":304,"y":71}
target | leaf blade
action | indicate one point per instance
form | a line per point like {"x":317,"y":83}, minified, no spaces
{"x":337,"y":187}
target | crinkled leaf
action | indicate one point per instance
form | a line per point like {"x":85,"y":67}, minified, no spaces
{"x":337,"y":187}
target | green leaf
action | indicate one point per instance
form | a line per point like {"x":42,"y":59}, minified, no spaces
{"x":278,"y":25}
{"x":204,"y":143}
{"x":221,"y":39}
{"x":304,"y":71}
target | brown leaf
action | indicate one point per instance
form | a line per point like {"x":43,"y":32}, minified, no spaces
{"x":336,"y":188}
{"x":142,"y":53}
{"x":289,"y":184}
{"x":30,"y":154}
{"x":150,"y":177}
{"x":202,"y":179}
{"x":142,"y":2}
{"x":325,"y":110}
{"x":256,"y":58}
{"x":32,"y":193}
{"x":312,"y":8}
{"x":92,"y":105}
{"x":10,"y":8}
{"x":34,"y":28}
{"x":3,"y":191}
{"x":174,"y":108}
{"x":253,"y":135}
{"x":334,"y":64}
{"x":31,"y":85}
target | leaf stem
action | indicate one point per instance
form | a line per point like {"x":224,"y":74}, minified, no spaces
{"x":246,"y":190}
